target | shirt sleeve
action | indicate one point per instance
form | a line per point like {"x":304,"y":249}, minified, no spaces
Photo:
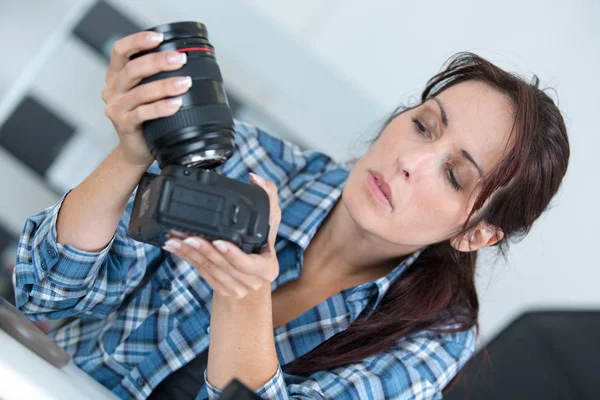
{"x":417,"y":368}
{"x":54,"y":280}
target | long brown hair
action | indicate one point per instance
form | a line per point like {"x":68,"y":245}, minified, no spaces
{"x":438,"y":291}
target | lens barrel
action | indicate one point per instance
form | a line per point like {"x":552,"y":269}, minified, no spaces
{"x":201,"y":133}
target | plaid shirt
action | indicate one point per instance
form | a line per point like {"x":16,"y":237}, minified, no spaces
{"x":130,"y":348}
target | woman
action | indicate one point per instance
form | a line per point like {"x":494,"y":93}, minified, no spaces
{"x":366,"y":288}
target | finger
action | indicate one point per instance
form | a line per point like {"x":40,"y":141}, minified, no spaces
{"x":214,"y":283}
{"x":274,"y":210}
{"x":129,"y":45}
{"x":153,"y":91}
{"x":204,"y":267}
{"x":148,"y":65}
{"x":172,"y":246}
{"x":206,"y":256}
{"x":271,"y":189}
{"x":222,"y":265}
{"x":245,"y":267}
{"x":147,"y":112}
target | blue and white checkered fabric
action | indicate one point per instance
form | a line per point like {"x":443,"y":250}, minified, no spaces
{"x":131,"y":348}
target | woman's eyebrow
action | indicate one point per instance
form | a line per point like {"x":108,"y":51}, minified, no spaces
{"x":466,"y":155}
{"x":442,"y":111}
{"x":463,"y":152}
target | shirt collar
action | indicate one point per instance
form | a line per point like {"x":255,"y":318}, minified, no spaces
{"x":380,"y":286}
{"x":318,"y":196}
{"x":306,"y":209}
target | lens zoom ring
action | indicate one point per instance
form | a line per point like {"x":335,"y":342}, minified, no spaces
{"x":218,"y":115}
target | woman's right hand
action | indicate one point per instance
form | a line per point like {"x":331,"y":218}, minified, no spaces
{"x":128,"y":105}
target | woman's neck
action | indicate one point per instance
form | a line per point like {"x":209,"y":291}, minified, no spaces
{"x":341,"y":249}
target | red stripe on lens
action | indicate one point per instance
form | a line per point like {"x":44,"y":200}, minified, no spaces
{"x":195,"y":49}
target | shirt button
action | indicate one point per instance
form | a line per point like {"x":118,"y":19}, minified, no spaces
{"x":139,"y":382}
{"x":51,"y":252}
{"x":208,"y":329}
{"x":165,"y":284}
{"x":43,"y":264}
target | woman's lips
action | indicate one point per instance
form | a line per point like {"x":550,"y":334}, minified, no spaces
{"x":379,"y":189}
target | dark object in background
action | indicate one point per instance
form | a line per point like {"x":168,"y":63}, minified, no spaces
{"x":14,"y":323}
{"x":102,"y":26}
{"x":185,"y":383}
{"x":5,"y":239}
{"x":6,"y":288}
{"x":236,"y":390}
{"x":186,"y":197}
{"x":548,"y":355}
{"x":7,"y":242}
{"x":35,"y":135}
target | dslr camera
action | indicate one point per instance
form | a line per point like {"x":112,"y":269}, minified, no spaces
{"x":188,"y":197}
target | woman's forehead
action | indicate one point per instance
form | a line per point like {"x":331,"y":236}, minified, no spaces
{"x":480,"y":119}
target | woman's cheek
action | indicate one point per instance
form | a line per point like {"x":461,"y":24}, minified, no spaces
{"x":433,"y":217}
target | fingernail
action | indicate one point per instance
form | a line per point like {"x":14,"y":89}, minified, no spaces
{"x":184,"y":82}
{"x":173,"y":244}
{"x":195,"y":243}
{"x":177,"y":58}
{"x":220,"y":245}
{"x":257,"y":179}
{"x":175,"y":102}
{"x":155,"y":37}
{"x":169,"y":249}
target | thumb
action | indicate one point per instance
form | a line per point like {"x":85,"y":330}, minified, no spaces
{"x":274,"y":209}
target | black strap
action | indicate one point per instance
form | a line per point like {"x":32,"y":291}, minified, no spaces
{"x":185,"y":383}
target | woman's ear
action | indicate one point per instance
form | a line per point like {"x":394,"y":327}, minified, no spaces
{"x":483,"y":235}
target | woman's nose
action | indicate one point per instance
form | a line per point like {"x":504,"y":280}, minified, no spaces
{"x":418,"y":163}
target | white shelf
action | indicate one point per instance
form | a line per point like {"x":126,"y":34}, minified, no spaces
{"x":32,"y":38}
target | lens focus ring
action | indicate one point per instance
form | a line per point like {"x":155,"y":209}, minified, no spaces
{"x":203,"y":126}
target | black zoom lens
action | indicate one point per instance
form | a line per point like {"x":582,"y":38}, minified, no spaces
{"x":201,"y":133}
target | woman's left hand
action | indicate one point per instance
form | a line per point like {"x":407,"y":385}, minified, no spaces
{"x":225,"y":267}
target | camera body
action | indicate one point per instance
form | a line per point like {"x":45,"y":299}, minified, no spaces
{"x":199,"y":202}
{"x":187,"y":197}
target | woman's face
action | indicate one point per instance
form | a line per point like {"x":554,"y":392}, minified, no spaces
{"x":429,"y":162}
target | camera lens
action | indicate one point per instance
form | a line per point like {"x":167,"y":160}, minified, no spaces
{"x":200,"y":134}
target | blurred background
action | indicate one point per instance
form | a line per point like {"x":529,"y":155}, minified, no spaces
{"x":323,"y":74}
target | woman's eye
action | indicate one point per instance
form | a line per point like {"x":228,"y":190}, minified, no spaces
{"x":421,"y":128}
{"x":452,"y":179}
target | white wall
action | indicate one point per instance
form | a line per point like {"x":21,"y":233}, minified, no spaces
{"x":330,"y":71}
{"x":390,"y":48}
